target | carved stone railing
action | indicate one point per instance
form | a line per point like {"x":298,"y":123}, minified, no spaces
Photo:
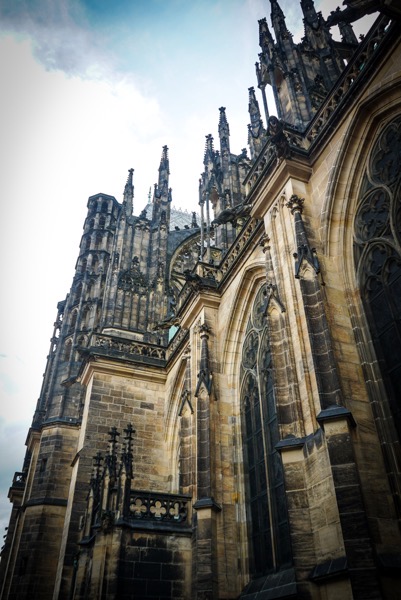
{"x":240,"y":243}
{"x":159,"y":507}
{"x":354,"y":72}
{"x":111,"y":344}
{"x":264,"y":162}
{"x":208,"y":272}
{"x":203,"y":277}
{"x":270,"y":155}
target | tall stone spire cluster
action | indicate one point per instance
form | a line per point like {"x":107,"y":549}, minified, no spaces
{"x":219,"y":417}
{"x":301,"y":75}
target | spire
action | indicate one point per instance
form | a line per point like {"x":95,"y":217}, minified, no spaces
{"x":278,"y":21}
{"x":256,"y":136}
{"x":209,"y":150}
{"x":205,"y":374}
{"x":265,"y":68}
{"x":253,"y":109}
{"x":161,"y":194}
{"x":128,"y":201}
{"x":265,"y":37}
{"x":164,"y":172}
{"x":347,"y":33}
{"x":310,"y":15}
{"x":164,"y":162}
{"x":224,"y":132}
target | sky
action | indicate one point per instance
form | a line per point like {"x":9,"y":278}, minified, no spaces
{"x":91,"y":88}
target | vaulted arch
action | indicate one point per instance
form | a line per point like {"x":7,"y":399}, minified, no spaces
{"x":361,"y":235}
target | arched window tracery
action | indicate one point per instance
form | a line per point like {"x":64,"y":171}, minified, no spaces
{"x":266,"y":501}
{"x":377,"y":252}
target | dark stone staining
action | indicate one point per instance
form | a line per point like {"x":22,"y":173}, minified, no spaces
{"x":152,"y":569}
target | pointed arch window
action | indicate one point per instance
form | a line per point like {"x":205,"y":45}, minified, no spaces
{"x":377,"y":251}
{"x":269,"y":535}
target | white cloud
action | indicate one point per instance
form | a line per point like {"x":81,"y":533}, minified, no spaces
{"x":59,"y":35}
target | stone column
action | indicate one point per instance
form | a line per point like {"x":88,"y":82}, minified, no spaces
{"x":336,"y":420}
{"x":205,"y":559}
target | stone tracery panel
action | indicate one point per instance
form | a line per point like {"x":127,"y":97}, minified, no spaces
{"x":266,"y":501}
{"x":377,"y":250}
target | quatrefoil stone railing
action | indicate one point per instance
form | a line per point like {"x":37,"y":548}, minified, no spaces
{"x":158,"y":507}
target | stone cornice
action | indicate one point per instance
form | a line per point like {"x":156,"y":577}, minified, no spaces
{"x":205,"y":298}
{"x":268,"y":188}
{"x":109,"y":366}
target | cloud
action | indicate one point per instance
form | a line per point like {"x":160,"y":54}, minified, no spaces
{"x":60,"y":36}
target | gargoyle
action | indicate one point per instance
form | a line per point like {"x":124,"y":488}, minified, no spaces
{"x":275,"y":131}
{"x":231,"y":215}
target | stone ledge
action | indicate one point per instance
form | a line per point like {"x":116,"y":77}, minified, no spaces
{"x":290,"y":443}
{"x":207,"y":503}
{"x":276,"y":585}
{"x":330,"y":569}
{"x":45,"y":502}
{"x":335,"y":413}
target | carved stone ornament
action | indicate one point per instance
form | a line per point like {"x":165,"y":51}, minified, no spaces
{"x":295,"y":203}
{"x":132,"y":280}
{"x":259,"y":308}
{"x":373,"y":215}
{"x":385,"y":164}
{"x":277,"y":137}
{"x":250,"y":350}
{"x":107,"y":521}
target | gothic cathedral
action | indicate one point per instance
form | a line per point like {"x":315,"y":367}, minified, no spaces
{"x":220,"y":414}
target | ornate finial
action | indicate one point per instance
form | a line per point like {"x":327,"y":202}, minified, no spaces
{"x":97,"y":465}
{"x":204,"y":330}
{"x":129,"y":432}
{"x":253,"y":108}
{"x":205,"y":374}
{"x":97,"y":459}
{"x":295,"y":204}
{"x":129,"y":193}
{"x":209,"y":149}
{"x":256,"y":130}
{"x":224,"y":130}
{"x":113,"y":433}
{"x":265,"y":243}
{"x":164,"y":154}
{"x":223,"y":117}
{"x":164,"y":169}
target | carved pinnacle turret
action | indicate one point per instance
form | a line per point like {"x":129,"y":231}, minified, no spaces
{"x":205,"y":374}
{"x":209,"y":154}
{"x":129,"y":194}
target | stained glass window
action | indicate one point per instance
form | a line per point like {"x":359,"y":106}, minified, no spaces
{"x":266,"y":502}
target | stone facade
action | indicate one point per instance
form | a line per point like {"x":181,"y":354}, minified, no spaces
{"x":220,"y":412}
